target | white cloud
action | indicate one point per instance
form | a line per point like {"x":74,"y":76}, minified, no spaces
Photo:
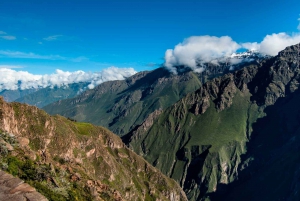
{"x":112,"y":73}
{"x":199,"y":49}
{"x":251,"y":46}
{"x":8,"y":37}
{"x":52,"y":38}
{"x":12,"y":79}
{"x":272,"y":44}
{"x":2,"y":33}
{"x":196,"y":50}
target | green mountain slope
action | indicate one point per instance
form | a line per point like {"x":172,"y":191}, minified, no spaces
{"x":67,"y":160}
{"x":270,"y":167}
{"x":208,"y":139}
{"x":122,"y":105}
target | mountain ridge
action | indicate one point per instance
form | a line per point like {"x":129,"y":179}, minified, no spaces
{"x":202,"y":139}
{"x":123,"y":105}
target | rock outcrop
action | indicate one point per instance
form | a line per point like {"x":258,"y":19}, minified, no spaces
{"x":14,"y":189}
{"x":71,"y":160}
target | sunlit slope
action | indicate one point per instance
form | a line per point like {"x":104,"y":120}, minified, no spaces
{"x":67,"y":160}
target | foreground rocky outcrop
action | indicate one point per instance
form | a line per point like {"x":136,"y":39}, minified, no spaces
{"x":67,"y":160}
{"x":234,"y":137}
{"x":14,"y":189}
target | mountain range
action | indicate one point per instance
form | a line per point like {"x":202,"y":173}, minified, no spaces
{"x":229,"y":131}
{"x":234,"y":138}
{"x":43,"y":96}
{"x":122,"y":105}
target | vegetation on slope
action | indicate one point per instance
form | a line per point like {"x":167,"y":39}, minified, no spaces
{"x":122,"y":105}
{"x":269,"y":170}
{"x":68,"y":160}
{"x":208,"y":139}
{"x":200,"y":150}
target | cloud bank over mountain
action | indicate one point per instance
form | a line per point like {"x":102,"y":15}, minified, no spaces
{"x":13,"y":80}
{"x":197,"y":50}
{"x":274,"y":43}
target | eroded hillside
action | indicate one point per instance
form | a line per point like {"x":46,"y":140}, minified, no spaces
{"x":67,"y":160}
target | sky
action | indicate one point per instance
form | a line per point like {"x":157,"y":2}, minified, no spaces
{"x":41,"y":36}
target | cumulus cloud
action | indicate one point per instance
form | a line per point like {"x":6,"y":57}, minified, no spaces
{"x":274,"y":43}
{"x":251,"y":46}
{"x":199,"y":49}
{"x":193,"y":52}
{"x":12,"y":79}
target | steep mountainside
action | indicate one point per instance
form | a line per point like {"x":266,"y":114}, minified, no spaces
{"x":67,"y":160}
{"x":235,"y":138}
{"x":45,"y":96}
{"x":122,"y":105}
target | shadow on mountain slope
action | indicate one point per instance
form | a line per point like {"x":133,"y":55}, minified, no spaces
{"x":270,"y":169}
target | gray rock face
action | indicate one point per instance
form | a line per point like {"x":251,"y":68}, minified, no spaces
{"x":278,"y":77}
{"x":14,"y":189}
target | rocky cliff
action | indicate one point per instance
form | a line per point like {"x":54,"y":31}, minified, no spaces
{"x":67,"y":160}
{"x":14,"y":189}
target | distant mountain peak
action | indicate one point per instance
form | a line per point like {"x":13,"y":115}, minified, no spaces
{"x":248,"y":54}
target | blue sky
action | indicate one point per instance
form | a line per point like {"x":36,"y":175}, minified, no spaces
{"x":40,"y":36}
